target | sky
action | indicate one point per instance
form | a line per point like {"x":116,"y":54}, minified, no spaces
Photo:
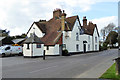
{"x":18,"y":15}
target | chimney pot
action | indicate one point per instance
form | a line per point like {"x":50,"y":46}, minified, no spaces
{"x":84,"y":17}
{"x":84,"y":21}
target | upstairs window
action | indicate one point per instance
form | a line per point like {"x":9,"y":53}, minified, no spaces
{"x":38,"y":46}
{"x":89,"y":38}
{"x":81,"y":31}
{"x":96,"y":39}
{"x":77,"y":37}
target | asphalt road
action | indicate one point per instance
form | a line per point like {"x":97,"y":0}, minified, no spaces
{"x":90,"y":65}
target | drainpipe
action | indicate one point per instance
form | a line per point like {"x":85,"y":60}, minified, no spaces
{"x":63,"y":16}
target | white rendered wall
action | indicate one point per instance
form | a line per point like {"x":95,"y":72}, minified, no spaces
{"x":96,"y":35}
{"x":26,"y":52}
{"x":37,"y":31}
{"x":38,"y":51}
{"x":71,"y":40}
{"x":53,"y":50}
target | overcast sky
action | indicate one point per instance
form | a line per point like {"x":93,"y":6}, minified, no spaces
{"x":18,"y":15}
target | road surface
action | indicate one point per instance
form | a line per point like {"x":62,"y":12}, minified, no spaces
{"x":90,"y":65}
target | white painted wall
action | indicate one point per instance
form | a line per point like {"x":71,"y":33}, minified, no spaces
{"x":53,"y":50}
{"x":26,"y":52}
{"x":37,"y":31}
{"x":36,"y":51}
{"x":83,"y":37}
{"x":71,"y":41}
{"x":95,"y":35}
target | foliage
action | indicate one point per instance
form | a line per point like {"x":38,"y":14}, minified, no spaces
{"x":112,"y":38}
{"x":65,"y":52}
{"x":105,"y":31}
{"x":104,"y":47}
{"x":19,"y":36}
{"x":119,"y":40}
{"x":4,"y":32}
{"x":110,"y":73}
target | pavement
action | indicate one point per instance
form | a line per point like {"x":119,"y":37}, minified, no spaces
{"x":90,"y":65}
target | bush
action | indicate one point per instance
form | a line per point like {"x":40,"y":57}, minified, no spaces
{"x":104,"y":47}
{"x":65,"y":52}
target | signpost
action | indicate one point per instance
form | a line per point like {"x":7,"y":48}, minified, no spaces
{"x":44,"y":55}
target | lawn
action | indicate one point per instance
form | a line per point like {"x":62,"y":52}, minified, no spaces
{"x":111,"y":73}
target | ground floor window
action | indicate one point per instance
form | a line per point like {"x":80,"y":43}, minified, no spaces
{"x":28,"y":46}
{"x":38,"y":46}
{"x":64,"y":46}
{"x":95,"y":47}
{"x":47,"y":47}
{"x":88,"y":46}
{"x":77,"y":47}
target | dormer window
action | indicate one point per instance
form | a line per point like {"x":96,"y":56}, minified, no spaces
{"x":81,"y":31}
{"x":77,"y":37}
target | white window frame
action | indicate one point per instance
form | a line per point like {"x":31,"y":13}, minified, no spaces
{"x":77,"y":36}
{"x":89,"y":47}
{"x":95,"y":39}
{"x":77,"y":47}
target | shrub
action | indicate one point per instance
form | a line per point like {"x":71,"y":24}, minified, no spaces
{"x":65,"y":52}
{"x":104,"y":47}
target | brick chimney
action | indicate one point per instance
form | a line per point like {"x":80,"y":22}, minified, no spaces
{"x":63,"y":16}
{"x":57,"y":13}
{"x":84,"y":21}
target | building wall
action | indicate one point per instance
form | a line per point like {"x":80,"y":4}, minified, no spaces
{"x":95,"y":43}
{"x":38,"y":51}
{"x":71,"y":41}
{"x":37,"y":31}
{"x":27,"y":52}
{"x":53,"y":50}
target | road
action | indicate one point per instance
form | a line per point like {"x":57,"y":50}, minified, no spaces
{"x":90,"y":65}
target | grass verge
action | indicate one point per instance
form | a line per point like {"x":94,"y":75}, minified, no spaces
{"x":111,"y":73}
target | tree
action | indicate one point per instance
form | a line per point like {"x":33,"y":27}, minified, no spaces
{"x":119,"y":40}
{"x":119,"y":35}
{"x":19,"y":36}
{"x":103,"y":33}
{"x":112,"y":38}
{"x":106,"y":30}
{"x":4,"y":32}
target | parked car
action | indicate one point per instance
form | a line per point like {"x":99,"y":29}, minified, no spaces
{"x":11,"y":50}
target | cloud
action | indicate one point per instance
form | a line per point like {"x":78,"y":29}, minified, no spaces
{"x":18,"y":15}
{"x":103,"y":22}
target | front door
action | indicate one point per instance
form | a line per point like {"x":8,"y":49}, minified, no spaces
{"x":84,"y":48}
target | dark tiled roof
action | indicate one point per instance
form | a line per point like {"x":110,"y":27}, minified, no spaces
{"x":33,"y":39}
{"x":51,"y":38}
{"x":52,"y":29}
{"x":71,"y":21}
{"x":41,"y":26}
{"x":89,"y":29}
